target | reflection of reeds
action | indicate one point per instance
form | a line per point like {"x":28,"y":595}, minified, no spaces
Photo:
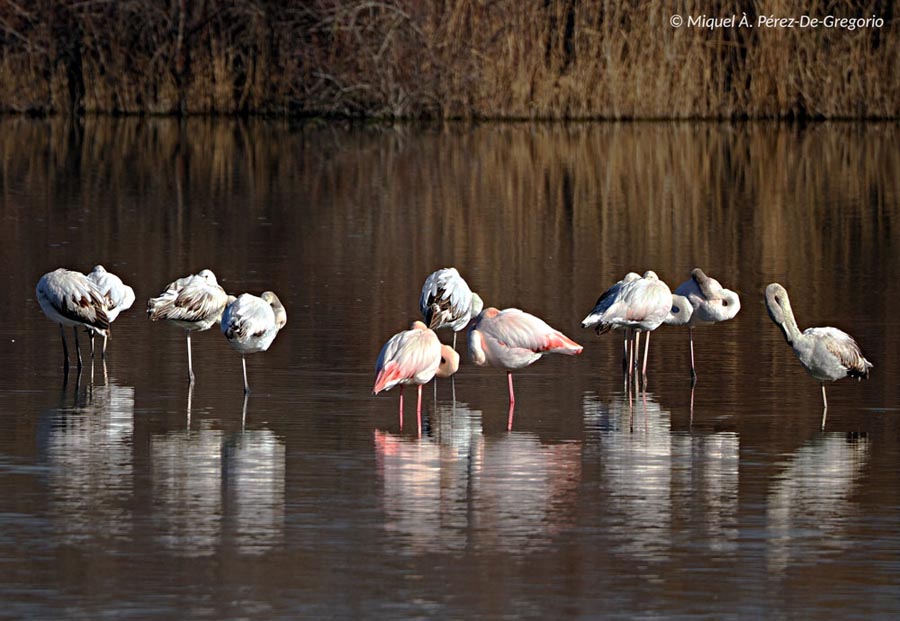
{"x":467,"y":58}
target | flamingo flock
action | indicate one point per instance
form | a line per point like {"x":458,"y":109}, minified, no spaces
{"x":194,"y":303}
{"x":509,"y":339}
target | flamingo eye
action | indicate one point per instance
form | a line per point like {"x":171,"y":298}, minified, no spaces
{"x":724,"y":302}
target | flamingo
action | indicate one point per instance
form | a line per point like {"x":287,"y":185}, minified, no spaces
{"x":513,"y":339}
{"x":447,"y":301}
{"x":828,"y":354}
{"x":119,"y":297}
{"x":604,"y":302}
{"x":638,"y":305}
{"x":71,"y":299}
{"x":194,"y":302}
{"x":413,"y":356}
{"x":711,"y":304}
{"x":251,"y":323}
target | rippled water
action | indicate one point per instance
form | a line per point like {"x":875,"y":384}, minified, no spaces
{"x":129,"y":496}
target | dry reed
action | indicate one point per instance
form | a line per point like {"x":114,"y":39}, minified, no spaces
{"x":459,"y":58}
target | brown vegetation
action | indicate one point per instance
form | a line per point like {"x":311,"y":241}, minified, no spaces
{"x":457,"y":58}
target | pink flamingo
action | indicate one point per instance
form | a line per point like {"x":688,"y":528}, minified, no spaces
{"x":513,"y":339}
{"x":413,"y":356}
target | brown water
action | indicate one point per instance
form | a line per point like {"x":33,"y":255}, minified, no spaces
{"x":134,"y":498}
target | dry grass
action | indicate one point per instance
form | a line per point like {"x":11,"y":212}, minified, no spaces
{"x":459,"y":58}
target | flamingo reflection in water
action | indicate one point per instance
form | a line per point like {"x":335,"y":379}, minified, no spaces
{"x":87,"y":448}
{"x":656,"y":478}
{"x":811,"y":500}
{"x":512,"y":339}
{"x":209,"y":485}
{"x":413,"y":356}
{"x":459,"y":490}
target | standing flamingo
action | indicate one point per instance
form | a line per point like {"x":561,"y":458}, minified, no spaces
{"x":194,"y":302}
{"x":828,"y":354}
{"x":251,"y":323}
{"x":71,"y":299}
{"x":447,"y":301}
{"x":119,"y":297}
{"x":603,"y":304}
{"x":639,"y":305}
{"x":711,"y":304}
{"x":413,"y":356}
{"x":513,"y":339}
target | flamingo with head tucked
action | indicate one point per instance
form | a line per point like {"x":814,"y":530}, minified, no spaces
{"x":413,"y":356}
{"x":119,"y":297}
{"x":447,"y":301}
{"x":711,"y":303}
{"x":192,"y":303}
{"x":70,"y":298}
{"x":828,"y":354}
{"x":512,"y":339}
{"x":251,"y":323}
{"x":639,"y":304}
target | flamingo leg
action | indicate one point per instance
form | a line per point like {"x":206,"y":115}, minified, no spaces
{"x":824,"y":399}
{"x":401,"y":407}
{"x":419,"y":411}
{"x":509,"y":418}
{"x":454,"y":341}
{"x":190,"y":363}
{"x":646,"y":349}
{"x":92,"y":345}
{"x":693,"y":370}
{"x":630,"y":357}
{"x":77,"y":346}
{"x":105,"y":339}
{"x":637,"y":351}
{"x":246,"y":384}
{"x":244,"y":411}
{"x":512,"y":394}
{"x":625,"y":352}
{"x":62,"y":333}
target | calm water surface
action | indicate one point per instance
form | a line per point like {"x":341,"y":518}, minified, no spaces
{"x":130,"y":496}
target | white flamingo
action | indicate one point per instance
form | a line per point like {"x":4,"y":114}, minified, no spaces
{"x":603,"y":304}
{"x":192,"y":303}
{"x":636,"y":304}
{"x":828,"y":354}
{"x":119,"y":297}
{"x":71,"y":299}
{"x":447,"y":301}
{"x":513,"y":339}
{"x":711,"y":304}
{"x":413,"y":356}
{"x":251,"y":323}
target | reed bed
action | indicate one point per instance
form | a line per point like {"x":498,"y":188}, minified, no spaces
{"x":573,"y":59}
